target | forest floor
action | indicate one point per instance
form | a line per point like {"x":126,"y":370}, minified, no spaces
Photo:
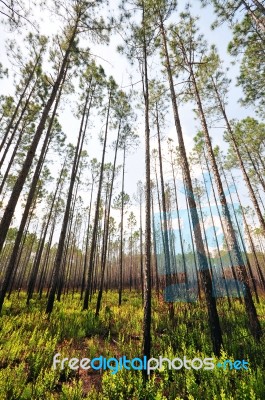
{"x":29,"y":340}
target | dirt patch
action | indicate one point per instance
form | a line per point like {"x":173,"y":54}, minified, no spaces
{"x":90,"y":379}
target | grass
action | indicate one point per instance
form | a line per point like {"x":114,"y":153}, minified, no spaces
{"x":29,"y":340}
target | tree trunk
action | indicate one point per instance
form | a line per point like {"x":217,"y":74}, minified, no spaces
{"x":147,"y":266}
{"x":232,"y":240}
{"x":95,"y":227}
{"x":121,"y":237}
{"x":106,"y":233}
{"x":61,"y":243}
{"x":12,"y":262}
{"x":37,"y":260}
{"x":214,"y":323}
{"x":241,"y":164}
{"x":9,"y":127}
{"x":10,"y":208}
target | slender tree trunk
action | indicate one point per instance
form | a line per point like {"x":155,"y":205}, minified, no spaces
{"x":155,"y":248}
{"x":95,"y":227}
{"x":66,"y":254}
{"x":44,"y":272}
{"x":259,"y":21}
{"x":223,"y":229}
{"x":12,"y":262}
{"x":180,"y":233}
{"x":251,"y":242}
{"x":259,"y":176}
{"x":105,"y":242}
{"x":241,"y":164}
{"x":21,"y":98}
{"x":121,"y":235}
{"x":10,"y":208}
{"x":164,"y":217}
{"x":61,"y":243}
{"x":232,"y":240}
{"x":16,"y":126}
{"x":87,"y":243}
{"x":215,"y":232}
{"x":141,"y":251}
{"x":214,"y":323}
{"x":11,"y":160}
{"x":37,"y":260}
{"x":147,"y":267}
{"x":259,"y":6}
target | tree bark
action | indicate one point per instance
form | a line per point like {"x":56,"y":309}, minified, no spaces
{"x":214,"y":323}
{"x":10,"y":208}
{"x":147,"y":266}
{"x":96,"y":218}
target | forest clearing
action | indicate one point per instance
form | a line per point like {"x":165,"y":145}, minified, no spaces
{"x":132,"y":208}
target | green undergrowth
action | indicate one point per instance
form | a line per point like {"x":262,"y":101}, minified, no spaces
{"x":29,"y":340}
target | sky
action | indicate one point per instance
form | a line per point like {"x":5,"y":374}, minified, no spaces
{"x":116,"y":65}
